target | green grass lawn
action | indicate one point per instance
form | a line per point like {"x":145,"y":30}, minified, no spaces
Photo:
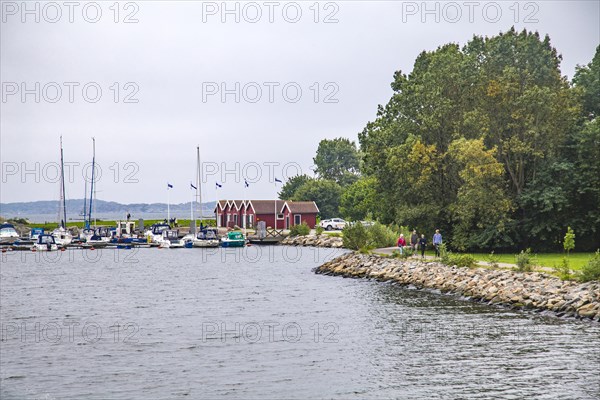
{"x":576,"y":260}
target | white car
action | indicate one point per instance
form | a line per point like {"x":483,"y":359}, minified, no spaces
{"x":333,"y":223}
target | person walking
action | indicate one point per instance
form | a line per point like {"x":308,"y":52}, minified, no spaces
{"x":422,"y":245}
{"x":437,"y":242}
{"x":401,"y":243}
{"x":414,"y":241}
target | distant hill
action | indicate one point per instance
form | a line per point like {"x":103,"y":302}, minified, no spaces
{"x":75,"y":208}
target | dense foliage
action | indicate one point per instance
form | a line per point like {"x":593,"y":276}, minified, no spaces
{"x":491,"y":144}
{"x":591,"y":271}
{"x":487,"y":142}
{"x":356,"y":236}
{"x":291,"y":186}
{"x":337,"y":160}
{"x":300,"y":229}
{"x":324,"y":192}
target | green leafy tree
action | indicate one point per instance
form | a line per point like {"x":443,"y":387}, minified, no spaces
{"x":325,"y":193}
{"x":587,"y":83}
{"x":291,"y":186}
{"x":569,"y":240}
{"x":413,"y":182}
{"x":523,"y":102}
{"x":359,"y":199}
{"x":482,"y":208}
{"x":492,"y":124}
{"x":584,"y":184}
{"x":337,"y":160}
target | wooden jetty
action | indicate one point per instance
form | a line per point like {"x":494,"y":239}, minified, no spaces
{"x":268,"y":236}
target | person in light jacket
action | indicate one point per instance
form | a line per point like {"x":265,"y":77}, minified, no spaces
{"x":437,"y":242}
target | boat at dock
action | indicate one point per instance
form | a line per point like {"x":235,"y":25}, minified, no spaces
{"x":99,"y":235}
{"x":170,"y":239}
{"x":8,"y":234}
{"x":155,"y":233}
{"x":45,"y":242}
{"x":233,"y":239}
{"x":207,"y":237}
{"x":62,"y":236}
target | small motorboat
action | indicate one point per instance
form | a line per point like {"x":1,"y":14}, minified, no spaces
{"x":102,"y":235}
{"x":233,"y":239}
{"x":35,"y":232}
{"x":171,"y":240}
{"x":8,"y":234}
{"x":155,"y":233}
{"x":205,"y":238}
{"x":45,"y":242}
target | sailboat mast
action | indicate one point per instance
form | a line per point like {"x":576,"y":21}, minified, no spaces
{"x":62,"y":184}
{"x":92,"y":184}
{"x":85,"y":202}
{"x":198,"y":182}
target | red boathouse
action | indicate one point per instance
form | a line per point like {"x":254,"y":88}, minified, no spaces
{"x":280,"y":214}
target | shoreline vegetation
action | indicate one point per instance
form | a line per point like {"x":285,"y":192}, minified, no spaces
{"x":524,"y":291}
{"x":547,"y":262}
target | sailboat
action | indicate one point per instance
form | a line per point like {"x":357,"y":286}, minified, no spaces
{"x":61,"y":235}
{"x":99,"y":235}
{"x":205,"y":236}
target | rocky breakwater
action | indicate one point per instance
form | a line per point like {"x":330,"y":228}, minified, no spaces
{"x":314,"y":240}
{"x":519,"y":290}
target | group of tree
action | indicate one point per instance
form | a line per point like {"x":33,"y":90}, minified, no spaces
{"x":336,"y":167}
{"x":488,"y":142}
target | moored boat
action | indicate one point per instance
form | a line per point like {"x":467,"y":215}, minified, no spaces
{"x":99,"y":235}
{"x":205,"y":238}
{"x":155,"y":233}
{"x":8,"y":234}
{"x":171,"y":240}
{"x":45,"y":242}
{"x":62,"y":236}
{"x":233,"y":239}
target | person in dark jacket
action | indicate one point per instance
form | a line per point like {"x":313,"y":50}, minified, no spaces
{"x":414,"y":241}
{"x":422,"y":245}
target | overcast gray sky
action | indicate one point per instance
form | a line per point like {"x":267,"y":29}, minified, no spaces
{"x":178,"y":57}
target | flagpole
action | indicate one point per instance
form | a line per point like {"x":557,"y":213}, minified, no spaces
{"x":168,"y":205}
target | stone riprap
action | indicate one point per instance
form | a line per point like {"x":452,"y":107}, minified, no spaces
{"x":314,"y":240}
{"x":532,"y":290}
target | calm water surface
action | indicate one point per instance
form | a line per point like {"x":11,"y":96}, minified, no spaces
{"x":258,"y":323}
